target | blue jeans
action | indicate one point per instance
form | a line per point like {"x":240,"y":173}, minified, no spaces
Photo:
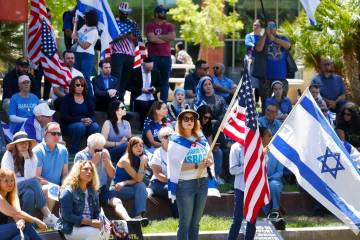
{"x":160,"y":189}
{"x":84,"y":62}
{"x":10,"y":231}
{"x":77,"y":131}
{"x":121,"y":67}
{"x":163,"y":65}
{"x":191,"y":197}
{"x":238,"y":217}
{"x":275,"y":192}
{"x":218,"y":160}
{"x":117,"y":152}
{"x":31,"y":195}
{"x":137,"y":192}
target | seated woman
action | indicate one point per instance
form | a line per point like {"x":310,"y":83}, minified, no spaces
{"x":205,"y":117}
{"x":274,"y":172}
{"x":159,"y":181}
{"x":77,"y":113}
{"x":155,"y":120}
{"x":20,"y":159}
{"x":348,"y":124}
{"x":116,"y":130}
{"x":283,"y":102}
{"x":177,"y":105}
{"x":79,"y":203}
{"x":11,"y":217}
{"x":129,"y":174}
{"x":205,"y":94}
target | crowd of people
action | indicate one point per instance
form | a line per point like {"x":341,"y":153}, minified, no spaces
{"x":117,"y":164}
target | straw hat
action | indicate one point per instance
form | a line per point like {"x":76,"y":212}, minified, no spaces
{"x":20,"y":137}
{"x":195,"y":114}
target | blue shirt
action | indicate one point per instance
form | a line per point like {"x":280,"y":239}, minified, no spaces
{"x":284,"y":105}
{"x":250,"y":42}
{"x":51,"y":161}
{"x":274,"y":168}
{"x":274,"y":126}
{"x":276,"y":60}
{"x":330,"y":88}
{"x":225,"y":83}
{"x":22,"y":107}
{"x":100,"y":167}
{"x":154,"y":128}
{"x":122,"y":175}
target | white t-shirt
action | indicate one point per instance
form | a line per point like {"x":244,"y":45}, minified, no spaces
{"x":90,"y":35}
{"x":159,"y":158}
{"x":30,"y":165}
{"x":74,"y":73}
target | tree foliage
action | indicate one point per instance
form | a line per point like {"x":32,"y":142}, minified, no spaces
{"x":206,"y":24}
{"x":336,"y":35}
{"x":10,"y":44}
{"x":57,"y":9}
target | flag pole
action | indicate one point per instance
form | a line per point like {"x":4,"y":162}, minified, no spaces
{"x":220,"y":129}
{"x":287,"y":118}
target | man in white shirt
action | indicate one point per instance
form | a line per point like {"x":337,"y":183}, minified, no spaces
{"x":59,"y":91}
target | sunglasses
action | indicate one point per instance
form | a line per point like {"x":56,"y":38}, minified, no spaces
{"x":347,"y":114}
{"x":26,"y":82}
{"x":79,"y":85}
{"x":189,"y":119}
{"x":98,"y":150}
{"x":121,"y":107}
{"x":55,"y":134}
{"x":216,"y":68}
{"x":166,"y":137}
{"x":206,"y":117}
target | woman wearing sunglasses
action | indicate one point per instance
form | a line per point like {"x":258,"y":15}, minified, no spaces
{"x":116,"y":130}
{"x":158,"y":163}
{"x":188,"y":177}
{"x":78,"y":113}
{"x":348,"y":124}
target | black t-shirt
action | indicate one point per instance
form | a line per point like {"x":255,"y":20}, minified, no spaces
{"x":191,"y":81}
{"x":352,"y":135}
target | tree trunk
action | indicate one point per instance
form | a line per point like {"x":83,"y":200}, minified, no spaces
{"x":352,"y":76}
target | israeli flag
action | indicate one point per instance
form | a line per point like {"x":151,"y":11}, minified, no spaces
{"x":108,"y":29}
{"x":310,"y":9}
{"x":308,"y":146}
{"x":177,"y":150}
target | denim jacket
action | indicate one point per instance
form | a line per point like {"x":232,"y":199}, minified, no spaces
{"x":72,"y":203}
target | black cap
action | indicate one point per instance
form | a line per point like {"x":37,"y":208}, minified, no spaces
{"x":160,"y":9}
{"x":22,"y":62}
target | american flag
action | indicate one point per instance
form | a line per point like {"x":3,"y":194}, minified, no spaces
{"x":242,"y":126}
{"x":125,"y":45}
{"x":37,"y":13}
{"x":54,"y":69}
{"x":140,"y":54}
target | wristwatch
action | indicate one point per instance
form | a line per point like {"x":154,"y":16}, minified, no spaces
{"x":196,"y":166}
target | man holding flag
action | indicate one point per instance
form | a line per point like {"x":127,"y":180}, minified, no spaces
{"x":327,"y":168}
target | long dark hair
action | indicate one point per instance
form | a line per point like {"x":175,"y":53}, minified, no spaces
{"x":19,"y":160}
{"x":113,"y":107}
{"x":82,"y":81}
{"x":206,"y":128}
{"x":91,"y":18}
{"x":355,"y":116}
{"x":155,"y":106}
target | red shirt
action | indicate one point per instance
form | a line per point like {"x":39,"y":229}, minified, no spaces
{"x":159,"y":49}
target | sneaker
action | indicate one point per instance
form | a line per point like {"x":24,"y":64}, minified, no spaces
{"x":50,"y":220}
{"x":143,"y":221}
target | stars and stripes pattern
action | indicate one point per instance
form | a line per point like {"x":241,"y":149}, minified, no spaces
{"x":37,"y":13}
{"x":124,"y":45}
{"x":140,"y":54}
{"x":242,"y":126}
{"x":54,"y":69}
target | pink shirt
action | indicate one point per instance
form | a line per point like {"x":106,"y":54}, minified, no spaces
{"x":159,"y":49}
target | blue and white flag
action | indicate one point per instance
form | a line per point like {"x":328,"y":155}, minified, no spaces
{"x":310,"y":9}
{"x":177,"y":151}
{"x":310,"y":148}
{"x":108,"y":29}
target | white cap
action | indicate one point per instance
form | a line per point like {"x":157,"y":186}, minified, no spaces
{"x":43,"y":109}
{"x":23,"y":78}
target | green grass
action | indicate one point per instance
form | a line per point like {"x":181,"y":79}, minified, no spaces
{"x":290,"y":188}
{"x":210,"y":223}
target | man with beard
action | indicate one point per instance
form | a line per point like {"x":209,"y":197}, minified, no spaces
{"x":123,"y":47}
{"x":10,"y":82}
{"x":159,"y":34}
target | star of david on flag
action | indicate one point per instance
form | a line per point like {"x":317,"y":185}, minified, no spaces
{"x":326,"y":158}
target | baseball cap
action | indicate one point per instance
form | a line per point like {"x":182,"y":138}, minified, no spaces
{"x":23,"y":78}
{"x":43,"y":109}
{"x":22,"y":62}
{"x":161,"y":9}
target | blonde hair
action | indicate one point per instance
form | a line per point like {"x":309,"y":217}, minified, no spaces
{"x":196,"y":131}
{"x":73,"y":179}
{"x":11,"y":197}
{"x":96,"y":138}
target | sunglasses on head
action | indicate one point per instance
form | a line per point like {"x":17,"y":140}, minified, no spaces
{"x":188,"y":119}
{"x":55,"y":134}
{"x":79,"y":85}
